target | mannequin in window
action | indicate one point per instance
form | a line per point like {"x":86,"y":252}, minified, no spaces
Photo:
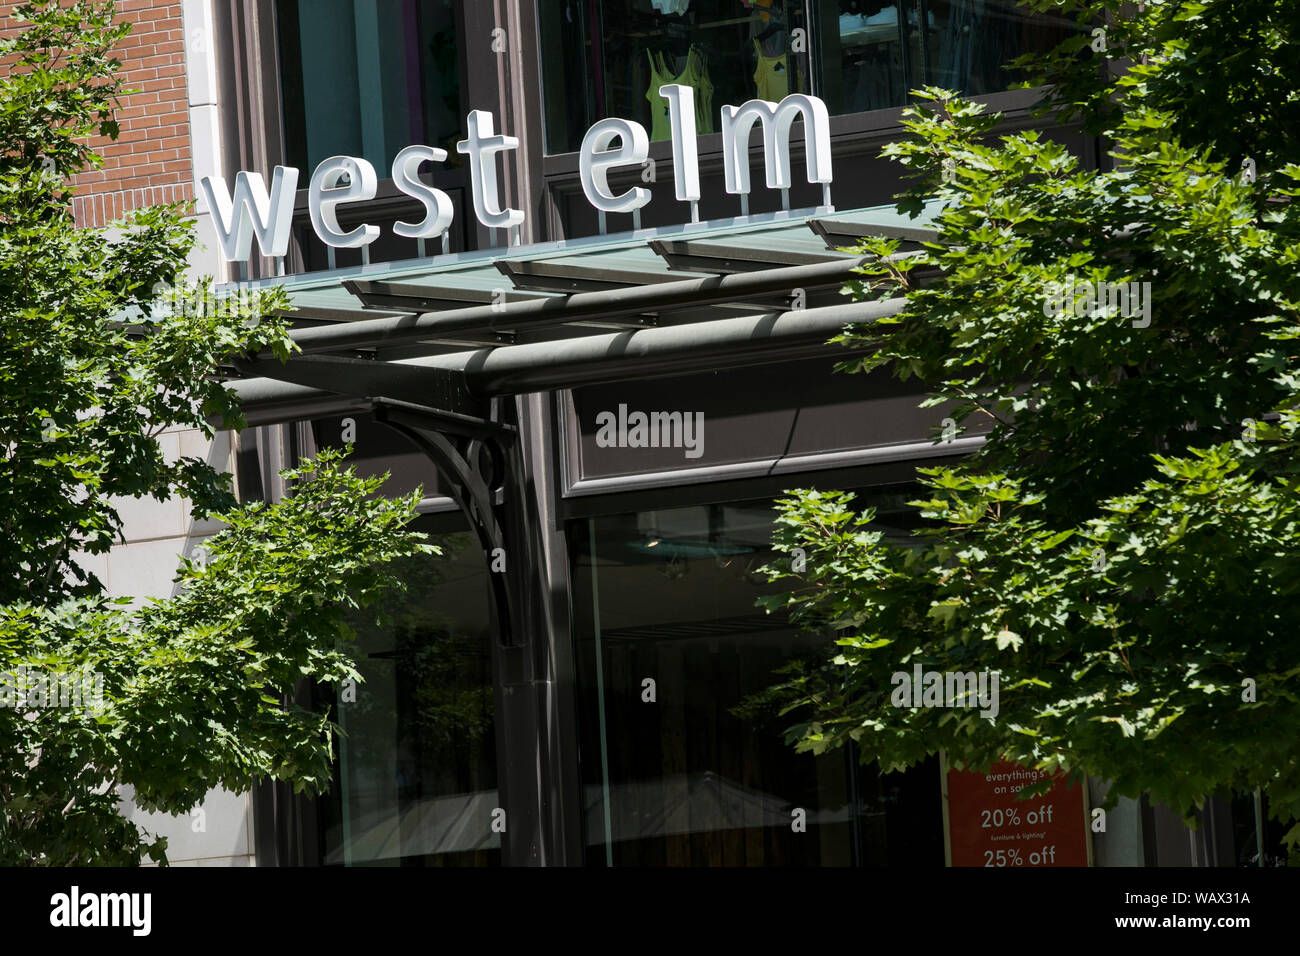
{"x":694,"y":74}
{"x":770,"y":39}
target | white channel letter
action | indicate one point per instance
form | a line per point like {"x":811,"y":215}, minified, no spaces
{"x":776,"y":119}
{"x":326,"y":193}
{"x":686,"y":157}
{"x":596,"y":159}
{"x":437,"y":204}
{"x":482,"y":146}
{"x":252,"y":212}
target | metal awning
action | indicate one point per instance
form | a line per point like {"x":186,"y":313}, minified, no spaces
{"x":652,"y":302}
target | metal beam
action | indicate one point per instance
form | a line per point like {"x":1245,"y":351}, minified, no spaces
{"x":411,"y":297}
{"x":595,"y":359}
{"x":429,"y":387}
{"x":558,"y":310}
{"x":840,"y":233}
{"x":545,"y":275}
{"x":701,"y":255}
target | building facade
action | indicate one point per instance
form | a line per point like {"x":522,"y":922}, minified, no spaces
{"x":600,"y":405}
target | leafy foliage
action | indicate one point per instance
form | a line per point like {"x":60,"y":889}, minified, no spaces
{"x":1125,"y":546}
{"x":192,"y":686}
{"x":94,"y":366}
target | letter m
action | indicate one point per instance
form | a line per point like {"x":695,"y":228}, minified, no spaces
{"x":251,"y":212}
{"x":961,"y":689}
{"x":665,"y":429}
{"x":776,"y":120}
{"x":119,"y":906}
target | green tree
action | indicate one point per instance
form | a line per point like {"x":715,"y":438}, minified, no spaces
{"x":1124,"y":548}
{"x":184,"y":694}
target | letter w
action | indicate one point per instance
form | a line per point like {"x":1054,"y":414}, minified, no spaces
{"x":251,"y":212}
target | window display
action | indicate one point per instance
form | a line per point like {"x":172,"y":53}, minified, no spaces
{"x":608,"y":58}
{"x":696,"y":76}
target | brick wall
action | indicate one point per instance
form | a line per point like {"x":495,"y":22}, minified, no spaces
{"x":150,"y":161}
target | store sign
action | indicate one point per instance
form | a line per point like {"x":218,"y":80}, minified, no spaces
{"x":988,"y":825}
{"x":251,"y":212}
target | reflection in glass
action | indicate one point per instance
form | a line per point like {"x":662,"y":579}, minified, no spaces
{"x":698,"y":775}
{"x":416,"y":777}
{"x":603,"y":58}
{"x":367,"y":78}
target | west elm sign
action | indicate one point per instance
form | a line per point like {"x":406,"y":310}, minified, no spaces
{"x":250,"y":211}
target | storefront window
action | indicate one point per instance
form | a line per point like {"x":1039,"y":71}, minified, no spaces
{"x":681,"y":765}
{"x":367,"y":78}
{"x":604,"y":58}
{"x":416,"y":778}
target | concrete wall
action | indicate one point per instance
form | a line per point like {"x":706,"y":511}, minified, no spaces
{"x":220,"y":831}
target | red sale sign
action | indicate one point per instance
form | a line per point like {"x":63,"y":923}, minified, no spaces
{"x":988,"y":825}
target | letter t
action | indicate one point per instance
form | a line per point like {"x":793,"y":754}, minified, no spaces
{"x":482,"y":146}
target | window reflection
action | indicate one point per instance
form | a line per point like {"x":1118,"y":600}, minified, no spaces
{"x":603,"y":58}
{"x":416,"y":779}
{"x":701,"y":775}
{"x":606,"y":58}
{"x":367,"y":78}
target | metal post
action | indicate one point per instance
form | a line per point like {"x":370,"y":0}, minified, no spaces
{"x":1259,"y":825}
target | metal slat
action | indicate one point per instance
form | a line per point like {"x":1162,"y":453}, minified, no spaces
{"x":613,"y":357}
{"x":585,"y":306}
{"x":407,"y":297}
{"x":568,"y":277}
{"x":694,"y":255}
{"x":840,"y":233}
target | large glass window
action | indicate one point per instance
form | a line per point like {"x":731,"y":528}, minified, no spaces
{"x":680,"y":765}
{"x":604,"y":58}
{"x":609,"y":57}
{"x":367,"y":78}
{"x":416,"y":778}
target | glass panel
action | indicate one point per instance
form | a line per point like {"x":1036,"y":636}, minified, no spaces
{"x":872,"y":52}
{"x":969,"y":43}
{"x":696,"y":775}
{"x":367,"y":78}
{"x":865,"y":50}
{"x":605,"y":58}
{"x":379,"y":450}
{"x":746,"y":414}
{"x":416,"y":780}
